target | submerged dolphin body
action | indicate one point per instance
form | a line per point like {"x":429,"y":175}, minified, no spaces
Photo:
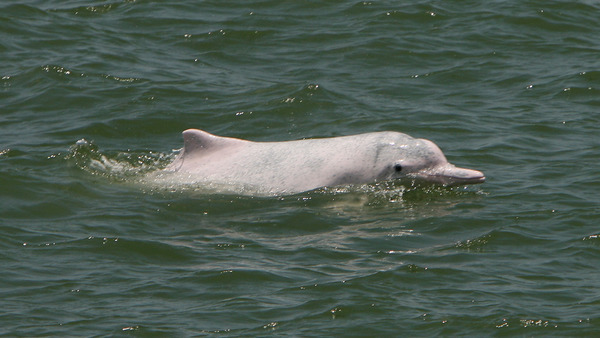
{"x":289,"y":167}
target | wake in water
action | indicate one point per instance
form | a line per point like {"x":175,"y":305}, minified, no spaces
{"x":147,"y":170}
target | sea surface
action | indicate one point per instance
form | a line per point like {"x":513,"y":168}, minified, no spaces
{"x":94,"y":96}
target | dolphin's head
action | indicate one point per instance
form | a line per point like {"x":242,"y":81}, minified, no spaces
{"x":422,"y":161}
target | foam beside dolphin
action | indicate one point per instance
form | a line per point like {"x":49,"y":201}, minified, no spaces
{"x":289,"y":167}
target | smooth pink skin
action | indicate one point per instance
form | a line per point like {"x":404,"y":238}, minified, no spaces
{"x":289,"y":167}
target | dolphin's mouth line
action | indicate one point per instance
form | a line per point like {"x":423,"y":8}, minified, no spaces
{"x":452,"y":180}
{"x":460,"y":180}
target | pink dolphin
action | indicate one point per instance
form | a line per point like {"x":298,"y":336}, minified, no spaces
{"x":289,"y":167}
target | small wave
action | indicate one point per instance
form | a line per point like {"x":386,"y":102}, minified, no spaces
{"x":90,"y":10}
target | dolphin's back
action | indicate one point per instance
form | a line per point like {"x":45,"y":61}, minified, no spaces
{"x":293,"y":166}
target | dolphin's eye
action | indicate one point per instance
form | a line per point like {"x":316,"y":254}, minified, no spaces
{"x":398,"y":168}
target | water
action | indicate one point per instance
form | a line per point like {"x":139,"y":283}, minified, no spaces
{"x":511,"y":88}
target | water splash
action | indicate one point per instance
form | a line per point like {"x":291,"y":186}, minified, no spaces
{"x":118,"y":166}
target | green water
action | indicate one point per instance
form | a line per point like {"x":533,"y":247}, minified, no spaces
{"x":511,"y":88}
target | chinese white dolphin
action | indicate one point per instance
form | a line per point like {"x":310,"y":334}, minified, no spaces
{"x":290,"y":167}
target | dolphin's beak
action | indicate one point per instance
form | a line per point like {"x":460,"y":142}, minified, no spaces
{"x":449,"y":175}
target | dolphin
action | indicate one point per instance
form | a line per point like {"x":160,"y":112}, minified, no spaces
{"x":290,"y":167}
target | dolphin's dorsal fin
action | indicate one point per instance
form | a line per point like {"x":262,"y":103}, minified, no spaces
{"x":195,"y":140}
